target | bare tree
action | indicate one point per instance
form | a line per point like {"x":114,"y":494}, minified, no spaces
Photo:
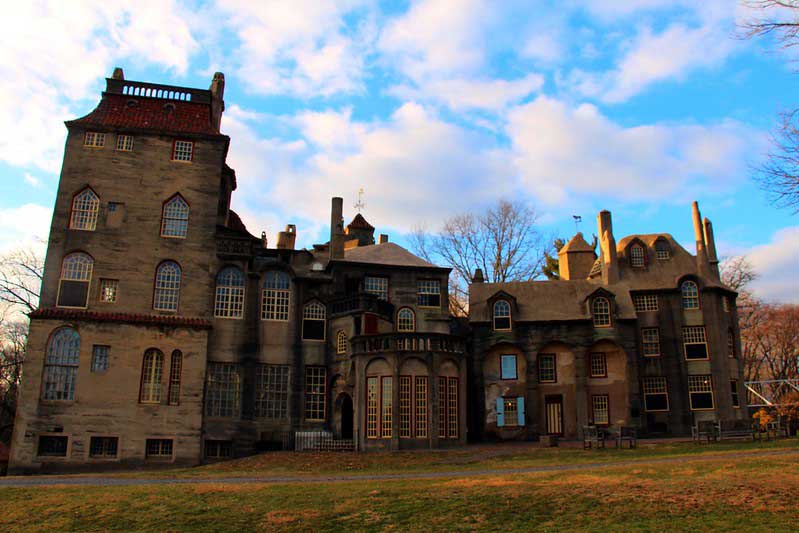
{"x":21,"y":274}
{"x":504,"y":242}
{"x":737,"y":273}
{"x":13,"y":336}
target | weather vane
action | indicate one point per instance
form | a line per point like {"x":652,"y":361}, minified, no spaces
{"x":360,"y":203}
{"x":577,"y":220}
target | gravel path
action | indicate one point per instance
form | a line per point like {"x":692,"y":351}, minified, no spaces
{"x":42,"y":481}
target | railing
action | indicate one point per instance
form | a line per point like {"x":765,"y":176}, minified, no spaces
{"x":771,"y":392}
{"x":362,"y":302}
{"x":407,"y":342}
{"x":317,"y":441}
{"x":237,"y":247}
{"x":142,"y":89}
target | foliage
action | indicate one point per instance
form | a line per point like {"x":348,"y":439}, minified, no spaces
{"x":551,"y":268}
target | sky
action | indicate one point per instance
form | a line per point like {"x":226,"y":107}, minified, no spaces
{"x":432,"y":107}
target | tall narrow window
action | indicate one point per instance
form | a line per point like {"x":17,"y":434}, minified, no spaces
{"x":167,"y":287}
{"x":85,"y":206}
{"x":272,"y":392}
{"x":502,"y":318}
{"x":61,"y":365}
{"x":448,"y":408}
{"x":183,"y":151}
{"x":656,"y":394}
{"x":599,"y":365}
{"x":428,"y":293}
{"x":313,"y":322}
{"x":377,"y":286}
{"x":695,"y":342}
{"x":229,"y":301}
{"x":601,"y":411}
{"x":650,"y":342}
{"x":700,"y":392}
{"x":315,"y":392}
{"x":76,"y":277}
{"x":547,"y":369}
{"x":442,"y":407}
{"x":174,"y":377}
{"x":406,"y":320}
{"x":734,"y":393}
{"x":662,"y":250}
{"x":637,"y":258}
{"x":276,"y":296}
{"x":341,"y":343}
{"x":151,"y":370}
{"x":731,"y":344}
{"x":405,"y":388}
{"x":223,"y":390}
{"x":175,"y":218}
{"x":420,"y":395}
{"x":387,"y":407}
{"x":371,"y":407}
{"x":100,"y":358}
{"x":600,"y":309}
{"x":690,"y":295}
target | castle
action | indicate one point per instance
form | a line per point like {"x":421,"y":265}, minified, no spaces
{"x":167,"y":333}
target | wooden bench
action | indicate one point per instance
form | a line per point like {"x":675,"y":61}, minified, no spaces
{"x":626,"y":434}
{"x":705,"y":429}
{"x":735,"y":429}
{"x":592,"y":437}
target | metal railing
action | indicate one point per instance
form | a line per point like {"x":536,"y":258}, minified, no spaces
{"x":407,"y":342}
{"x":362,"y":302}
{"x":318,"y":441}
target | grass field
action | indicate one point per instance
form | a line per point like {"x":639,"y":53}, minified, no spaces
{"x":733,"y":492}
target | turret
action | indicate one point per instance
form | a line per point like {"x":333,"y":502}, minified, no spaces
{"x":575,"y":259}
{"x":287,"y":238}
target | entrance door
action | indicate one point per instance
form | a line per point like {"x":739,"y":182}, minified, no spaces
{"x":554,"y":413}
{"x":346,"y":417}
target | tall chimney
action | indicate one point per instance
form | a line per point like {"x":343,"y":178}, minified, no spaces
{"x":607,"y":249}
{"x":287,"y":238}
{"x":702,"y":265}
{"x":337,"y":228}
{"x":217,"y":99}
{"x":118,"y":74}
{"x":382,"y":239}
{"x":710,"y":241}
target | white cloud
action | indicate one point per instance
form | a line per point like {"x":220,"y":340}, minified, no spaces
{"x":25,"y":226}
{"x":777,"y":266}
{"x":462,"y":94}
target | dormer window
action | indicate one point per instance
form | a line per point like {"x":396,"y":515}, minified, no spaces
{"x":637,"y":258}
{"x":662,"y":250}
{"x":502,"y":315}
{"x":600,"y":311}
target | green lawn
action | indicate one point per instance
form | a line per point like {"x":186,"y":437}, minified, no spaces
{"x":731,"y":493}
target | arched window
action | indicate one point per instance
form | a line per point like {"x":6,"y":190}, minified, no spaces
{"x":61,"y":365}
{"x":313,"y":322}
{"x":276,"y":296}
{"x":85,"y":205}
{"x":167,"y":287}
{"x":501,"y":315}
{"x":690,"y":295}
{"x":341,"y":343}
{"x":662,"y":250}
{"x":76,"y":276}
{"x":600,"y":310}
{"x":175,"y":218}
{"x":406,"y":320}
{"x":637,"y":258}
{"x":151,"y":370}
{"x":229,"y":302}
{"x":174,"y":377}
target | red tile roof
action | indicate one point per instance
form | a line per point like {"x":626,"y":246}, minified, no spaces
{"x":117,"y":110}
{"x":129,"y":318}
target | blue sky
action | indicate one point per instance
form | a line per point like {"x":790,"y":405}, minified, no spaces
{"x":434,"y":107}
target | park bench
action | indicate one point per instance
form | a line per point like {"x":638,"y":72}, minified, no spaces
{"x":592,"y":436}
{"x":705,"y":429}
{"x":734,"y":429}
{"x":626,"y":434}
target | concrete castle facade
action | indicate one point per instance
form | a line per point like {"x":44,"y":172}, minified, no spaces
{"x":166,"y":332}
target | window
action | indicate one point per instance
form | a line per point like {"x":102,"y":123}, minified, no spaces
{"x":428,"y":293}
{"x":734,"y":393}
{"x":508,"y":366}
{"x":725,"y":303}
{"x":371,"y":407}
{"x":167,"y":287}
{"x":406,"y":320}
{"x":341,"y":343}
{"x":276,"y":295}
{"x":700,"y":392}
{"x":174,"y":378}
{"x":690,"y":295}
{"x":124,"y":143}
{"x":600,"y":309}
{"x":547,"y":371}
{"x":420,"y":397}
{"x":599,"y":365}
{"x":405,"y":385}
{"x":53,"y":446}
{"x":656,"y":394}
{"x":76,"y":276}
{"x":272,"y":392}
{"x":412,"y":407}
{"x":662,"y":250}
{"x":637,"y":258}
{"x":313,"y":322}
{"x":175,"y":218}
{"x":183,"y":151}
{"x":103,"y":447}
{"x":387,"y":411}
{"x":376,"y":286}
{"x":731,"y":344}
{"x":218,"y":449}
{"x":158,"y":449}
{"x":229,"y":301}
{"x":650,"y":340}
{"x":109,"y":290}
{"x":223,"y":390}
{"x":600,"y":410}
{"x":151,"y":371}
{"x":315,"y":392}
{"x":94,"y":139}
{"x":645,"y":302}
{"x":100,"y":358}
{"x":447,"y":408}
{"x":695,"y":342}
{"x":85,"y":206}
{"x":510,"y":411}
{"x":502,"y":317}
{"x":61,"y":365}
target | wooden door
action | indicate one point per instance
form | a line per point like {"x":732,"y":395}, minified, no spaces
{"x":554,"y":414}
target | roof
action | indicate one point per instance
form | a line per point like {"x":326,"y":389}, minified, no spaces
{"x":127,"y":111}
{"x":385,"y":254}
{"x":576,"y":244}
{"x":130,"y":318}
{"x":359,"y":223}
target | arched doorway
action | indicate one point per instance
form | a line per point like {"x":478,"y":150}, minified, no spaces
{"x":346,"y":416}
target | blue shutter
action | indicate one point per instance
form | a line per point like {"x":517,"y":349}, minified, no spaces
{"x":500,"y":412}
{"x":520,"y":409}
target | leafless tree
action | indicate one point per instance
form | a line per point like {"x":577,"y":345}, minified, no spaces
{"x":737,"y":273}
{"x":12,"y":350}
{"x":504,"y":242}
{"x":21,"y":274}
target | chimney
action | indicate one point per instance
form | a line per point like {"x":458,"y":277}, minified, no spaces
{"x":217,"y":99}
{"x":337,"y":228}
{"x":702,"y":264}
{"x":118,"y":74}
{"x":607,"y":249}
{"x":286,"y":239}
{"x":710,"y":242}
{"x":478,"y":276}
{"x":382,"y":239}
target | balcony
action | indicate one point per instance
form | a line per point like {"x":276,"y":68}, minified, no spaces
{"x":361,"y":303}
{"x":407,"y":342}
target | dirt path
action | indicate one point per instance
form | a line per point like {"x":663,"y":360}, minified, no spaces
{"x":340,"y":478}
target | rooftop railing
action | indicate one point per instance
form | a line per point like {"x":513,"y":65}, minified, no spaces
{"x":141,"y":89}
{"x":407,"y":342}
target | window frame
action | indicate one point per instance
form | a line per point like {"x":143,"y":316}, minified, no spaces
{"x":95,"y":369}
{"x":311,"y":398}
{"x":642,"y":303}
{"x":595,"y":313}
{"x":495,"y":315}
{"x":176,"y":290}
{"x":275,"y":298}
{"x":175,"y":377}
{"x":423,"y":296}
{"x":54,"y":435}
{"x":400,"y":329}
{"x":154,"y":395}
{"x":732,"y":349}
{"x":175,"y":219}
{"x":664,"y":252}
{"x":106,"y":283}
{"x":91,"y":213}
{"x":316,"y":304}
{"x":554,"y":358}
{"x":62,"y":369}
{"x":651,"y":391}
{"x":159,"y":457}
{"x":223,"y":390}
{"x":122,"y":139}
{"x":595,"y":356}
{"x":104,"y":456}
{"x":88,"y":280}
{"x":692,"y":392}
{"x":341,"y":342}
{"x":635,"y":261}
{"x":650,"y":342}
{"x":272,"y":389}
{"x":686,"y":333}
{"x":606,"y":398}
{"x":95,"y":136}
{"x":735,"y":394}
{"x":231,"y":296}
{"x":690,"y":302}
{"x":379,"y":292}
{"x":175,"y":151}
